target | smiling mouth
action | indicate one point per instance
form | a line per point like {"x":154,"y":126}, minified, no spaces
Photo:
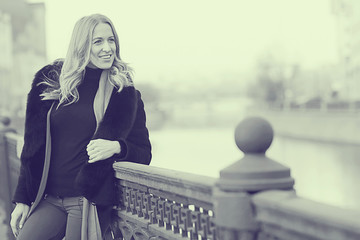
{"x":108,"y":56}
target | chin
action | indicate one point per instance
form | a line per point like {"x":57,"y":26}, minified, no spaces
{"x":99,"y":63}
{"x":105,"y":65}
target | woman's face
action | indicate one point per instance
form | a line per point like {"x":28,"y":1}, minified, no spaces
{"x":103,"y":47}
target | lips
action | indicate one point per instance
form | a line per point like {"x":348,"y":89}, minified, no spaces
{"x":107,"y":56}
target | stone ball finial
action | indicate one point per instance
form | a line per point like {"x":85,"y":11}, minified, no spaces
{"x":255,"y":171}
{"x":254,"y":135}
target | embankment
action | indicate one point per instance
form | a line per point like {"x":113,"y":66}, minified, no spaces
{"x":328,"y":126}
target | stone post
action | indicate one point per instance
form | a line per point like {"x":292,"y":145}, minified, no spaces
{"x":5,"y":198}
{"x":234,"y":213}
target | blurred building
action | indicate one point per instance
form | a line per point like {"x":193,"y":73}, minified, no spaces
{"x":22,"y":27}
{"x":347,"y":13}
{"x":6,"y":58}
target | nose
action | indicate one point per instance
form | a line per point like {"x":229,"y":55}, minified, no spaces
{"x":106,"y":47}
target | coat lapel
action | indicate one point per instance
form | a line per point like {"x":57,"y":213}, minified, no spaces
{"x":47,"y":157}
{"x":119,"y":116}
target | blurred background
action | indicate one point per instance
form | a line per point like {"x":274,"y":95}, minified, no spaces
{"x":203,"y":66}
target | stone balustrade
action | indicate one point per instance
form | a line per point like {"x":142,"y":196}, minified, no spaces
{"x":160,"y":203}
{"x":253,"y":199}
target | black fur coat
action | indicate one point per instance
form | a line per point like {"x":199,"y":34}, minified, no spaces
{"x":124,"y":121}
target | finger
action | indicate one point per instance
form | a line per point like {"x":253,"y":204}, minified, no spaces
{"x":92,"y":152}
{"x":14,"y":231}
{"x":93,"y":157}
{"x":22,"y":220}
{"x":94,"y":141}
{"x":90,"y":146}
{"x":90,"y":143}
{"x":14,"y":226}
{"x":94,"y":146}
{"x":97,"y":157}
{"x":92,"y":160}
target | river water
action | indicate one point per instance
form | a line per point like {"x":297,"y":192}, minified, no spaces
{"x":323,"y":172}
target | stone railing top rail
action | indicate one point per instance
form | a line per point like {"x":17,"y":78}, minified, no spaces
{"x":175,"y":182}
{"x":18,"y":140}
{"x":301,"y":218}
{"x":14,"y":136}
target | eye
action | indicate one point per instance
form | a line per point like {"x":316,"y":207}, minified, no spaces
{"x":97,"y":41}
{"x":111,"y":40}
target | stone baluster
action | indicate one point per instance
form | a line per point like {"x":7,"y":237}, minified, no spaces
{"x":255,"y":172}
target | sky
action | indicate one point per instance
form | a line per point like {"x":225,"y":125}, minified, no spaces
{"x":198,"y":39}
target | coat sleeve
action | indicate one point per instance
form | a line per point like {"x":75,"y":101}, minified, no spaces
{"x":136,"y":147}
{"x":20,"y":195}
{"x":33,"y":100}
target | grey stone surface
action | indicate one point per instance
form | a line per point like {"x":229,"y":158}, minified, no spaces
{"x":3,"y":224}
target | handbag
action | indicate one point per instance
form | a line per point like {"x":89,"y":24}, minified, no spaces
{"x":90,"y":226}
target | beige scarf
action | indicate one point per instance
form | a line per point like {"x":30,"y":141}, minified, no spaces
{"x":90,"y":227}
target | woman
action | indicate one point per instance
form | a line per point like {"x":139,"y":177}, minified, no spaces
{"x":83,"y":114}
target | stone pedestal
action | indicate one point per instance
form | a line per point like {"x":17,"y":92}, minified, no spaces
{"x":234,"y":213}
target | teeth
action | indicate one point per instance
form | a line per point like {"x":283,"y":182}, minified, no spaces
{"x":106,"y":56}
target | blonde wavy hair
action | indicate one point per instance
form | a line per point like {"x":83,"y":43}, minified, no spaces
{"x":78,"y":57}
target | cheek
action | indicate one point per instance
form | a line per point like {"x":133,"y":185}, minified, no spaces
{"x":94,"y":51}
{"x":113,"y":47}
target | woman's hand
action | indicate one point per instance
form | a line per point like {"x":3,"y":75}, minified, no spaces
{"x":100,"y":149}
{"x":18,"y":217}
